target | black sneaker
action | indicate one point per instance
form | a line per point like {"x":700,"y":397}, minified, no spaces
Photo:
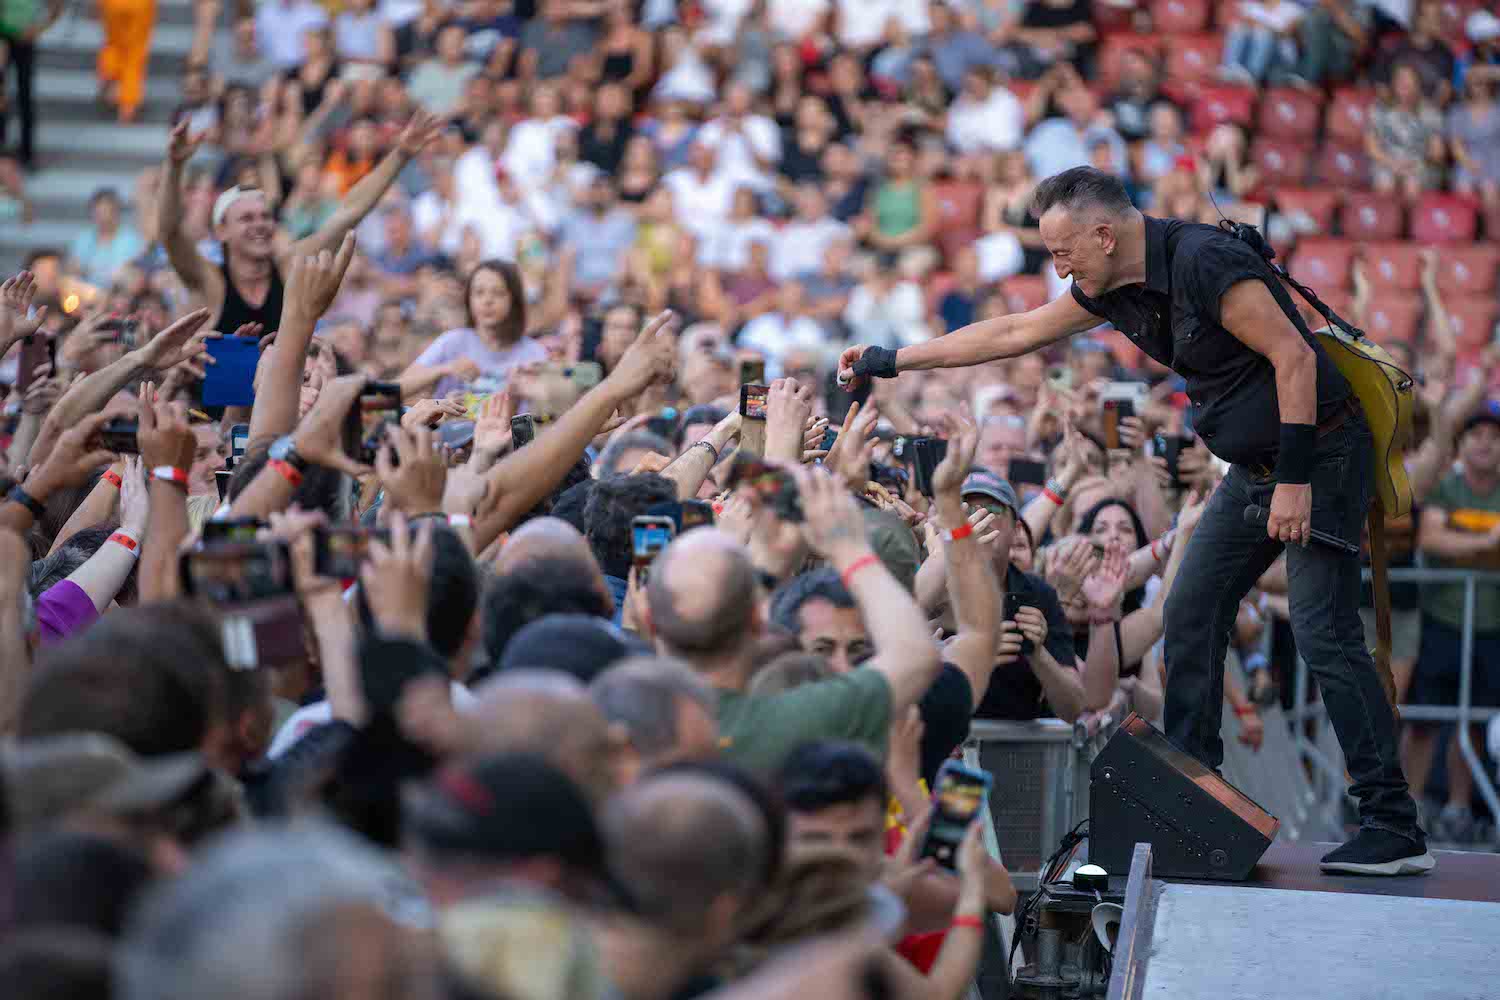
{"x":1380,"y":852}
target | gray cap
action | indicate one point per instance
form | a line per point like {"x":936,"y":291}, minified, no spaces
{"x":983,"y":482}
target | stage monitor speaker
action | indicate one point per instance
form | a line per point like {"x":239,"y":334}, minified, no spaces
{"x":1144,"y":790}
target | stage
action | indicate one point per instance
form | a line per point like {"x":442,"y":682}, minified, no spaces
{"x":1290,"y":933}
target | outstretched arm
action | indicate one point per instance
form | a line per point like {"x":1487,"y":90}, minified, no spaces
{"x":200,"y":277}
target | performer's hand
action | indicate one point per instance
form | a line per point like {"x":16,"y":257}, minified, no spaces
{"x":846,"y":376}
{"x":1291,"y":513}
{"x":1252,"y":730}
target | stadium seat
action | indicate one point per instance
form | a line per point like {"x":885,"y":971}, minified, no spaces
{"x":1116,"y":45}
{"x":1444,"y":218}
{"x":1343,"y":165}
{"x":1334,"y":298}
{"x":1024,"y":292}
{"x":1393,"y":316}
{"x":1280,"y":162}
{"x":1469,"y":270}
{"x":1220,"y":103}
{"x":1324,"y":264}
{"x":1367,"y":216}
{"x":938,"y":284}
{"x":1287,"y":113}
{"x":1472,"y":319}
{"x":1318,"y":204}
{"x":1179,"y":17}
{"x":1348,"y":114}
{"x":1193,"y":58}
{"x":1394,"y":265}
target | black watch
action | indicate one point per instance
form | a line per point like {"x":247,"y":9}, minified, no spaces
{"x":282,"y":450}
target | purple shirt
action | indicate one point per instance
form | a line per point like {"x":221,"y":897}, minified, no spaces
{"x":62,"y":610}
{"x":494,"y":365}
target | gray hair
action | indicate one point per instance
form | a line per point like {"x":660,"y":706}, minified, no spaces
{"x":54,"y":568}
{"x":609,"y":461}
{"x":1082,"y":187}
{"x":642,"y":694}
{"x":238,"y":924}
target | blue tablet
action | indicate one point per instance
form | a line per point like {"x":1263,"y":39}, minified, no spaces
{"x":231,"y":378}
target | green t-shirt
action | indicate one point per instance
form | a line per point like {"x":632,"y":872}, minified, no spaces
{"x":758,"y":731}
{"x":17,"y":15}
{"x":1445,"y":601}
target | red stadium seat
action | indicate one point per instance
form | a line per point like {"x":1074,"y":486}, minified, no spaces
{"x":1324,"y":264}
{"x":1218,"y":104}
{"x":1179,"y":17}
{"x":1348,"y":114}
{"x":1343,"y":165}
{"x":1371,"y":216}
{"x":1287,"y":113}
{"x":1393,"y":265}
{"x":1393,"y":316}
{"x":1193,"y":58}
{"x":1116,"y":45}
{"x":1280,"y":162}
{"x":1024,"y":292}
{"x":1444,"y":218}
{"x":1318,"y":204}
{"x":1334,"y":298}
{"x":1469,"y":270}
{"x":1472,"y":319}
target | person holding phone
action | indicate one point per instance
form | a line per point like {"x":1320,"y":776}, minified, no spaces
{"x":495,"y":341}
{"x":1206,"y":302}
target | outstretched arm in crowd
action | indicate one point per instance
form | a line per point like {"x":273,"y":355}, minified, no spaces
{"x":166,"y":439}
{"x":318,"y":440}
{"x":199,"y":276}
{"x":15,"y":654}
{"x":75,"y":458}
{"x":104,"y":573}
{"x":1435,"y":456}
{"x":904,"y":651}
{"x":692,"y":467}
{"x":96,"y":507}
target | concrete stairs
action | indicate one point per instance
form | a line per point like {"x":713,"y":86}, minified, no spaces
{"x":80,"y":147}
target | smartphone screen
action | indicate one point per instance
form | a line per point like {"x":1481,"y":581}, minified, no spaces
{"x":340,"y":550}
{"x":119,"y":436}
{"x":753,"y":401}
{"x":1112,"y":424}
{"x":456,"y":434}
{"x":1014,"y":603}
{"x":1026,"y":472}
{"x":378,"y":406}
{"x":221,"y":482}
{"x":239,"y":440}
{"x":649,"y":534}
{"x":36,"y":350}
{"x":230,"y":380}
{"x":752,"y":371}
{"x":236,"y":572}
{"x":829,"y":437}
{"x":957,"y":796}
{"x":232,"y":529}
{"x":522,"y":430}
{"x":927,"y":455}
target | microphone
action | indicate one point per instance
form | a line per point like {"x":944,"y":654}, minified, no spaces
{"x":1260,"y":515}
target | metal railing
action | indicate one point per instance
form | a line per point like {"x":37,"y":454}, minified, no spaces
{"x":1325,"y":758}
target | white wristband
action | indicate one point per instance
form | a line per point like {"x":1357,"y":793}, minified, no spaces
{"x":459,"y":520}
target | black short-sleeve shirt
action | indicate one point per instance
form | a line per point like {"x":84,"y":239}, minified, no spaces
{"x":1174,"y":317}
{"x":946,"y":709}
{"x":1014,"y":692}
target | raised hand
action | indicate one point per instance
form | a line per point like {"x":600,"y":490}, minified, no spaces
{"x":181,"y":145}
{"x":428,"y":413}
{"x":164,"y":435}
{"x":1072,"y":559}
{"x":135,"y":500}
{"x":319,"y":437}
{"x":412,"y":470}
{"x":314,"y":279}
{"x":788,"y":408}
{"x":394,"y":580}
{"x":43,"y":393}
{"x":651,"y":359}
{"x":963,"y":440}
{"x":832,"y":525}
{"x":421,"y":129}
{"x":849,"y":458}
{"x":74,"y":458}
{"x":15,"y":304}
{"x":184,"y":340}
{"x":846,"y":376}
{"x":1104,"y":588}
{"x":492,"y":427}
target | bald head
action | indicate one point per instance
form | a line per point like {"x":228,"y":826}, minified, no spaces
{"x":680,"y":843}
{"x":546,"y":538}
{"x":702,"y":595}
{"x":548,"y":713}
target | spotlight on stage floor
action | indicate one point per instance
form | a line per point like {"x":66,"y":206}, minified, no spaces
{"x":1144,"y":790}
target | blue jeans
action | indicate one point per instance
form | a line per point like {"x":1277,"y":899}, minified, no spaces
{"x":1223,"y":561}
{"x":1253,"y":48}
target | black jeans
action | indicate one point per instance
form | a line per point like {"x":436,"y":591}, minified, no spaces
{"x":23,"y":55}
{"x":1223,"y":561}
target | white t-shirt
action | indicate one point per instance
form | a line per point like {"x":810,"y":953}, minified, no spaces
{"x":801,"y":246}
{"x":774,"y":335}
{"x":727,"y":246}
{"x":894,"y":319}
{"x":280,"y":27}
{"x":737,"y":148}
{"x":861,"y":23}
{"x":310,"y":717}
{"x":794,"y":18}
{"x":1278,"y":18}
{"x":723,"y":20}
{"x":997,"y":124}
{"x":698,"y":203}
{"x":530,"y":151}
{"x":427,"y":211}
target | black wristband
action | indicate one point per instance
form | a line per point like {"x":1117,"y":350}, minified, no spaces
{"x":1295,"y":458}
{"x":879,"y":362}
{"x":20,"y":496}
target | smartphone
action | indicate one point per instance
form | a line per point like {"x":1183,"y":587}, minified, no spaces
{"x":230,"y":380}
{"x":522,"y":430}
{"x":340,"y":550}
{"x":753,"y":401}
{"x":378,"y":407}
{"x":231,"y":529}
{"x":901,"y":450}
{"x":221,"y":482}
{"x":829,"y":437}
{"x":239,"y":440}
{"x":119,"y":436}
{"x":1014,"y":603}
{"x":237,"y":572}
{"x":1169,"y":447}
{"x":649,"y":534}
{"x":1115,"y":411}
{"x":456,"y":434}
{"x":891,"y":477}
{"x":958,"y":794}
{"x":772,"y":486}
{"x":926,"y":454}
{"x":1026,"y":472}
{"x":752,"y":371}
{"x":697,"y":513}
{"x":664,"y":424}
{"x":36,"y":350}
{"x":124,"y":328}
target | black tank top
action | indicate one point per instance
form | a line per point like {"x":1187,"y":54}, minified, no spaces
{"x":237,"y":311}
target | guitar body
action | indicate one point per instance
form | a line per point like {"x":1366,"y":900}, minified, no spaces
{"x":1386,"y":395}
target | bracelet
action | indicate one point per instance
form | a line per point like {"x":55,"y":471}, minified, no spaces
{"x":1155,"y":555}
{"x":168,"y":474}
{"x":1056,"y":490}
{"x":31,"y":503}
{"x":125,"y":540}
{"x":867,"y":559}
{"x":112,"y":478}
{"x":288,"y":471}
{"x":459,"y":520}
{"x":1055,"y":497}
{"x":712,"y":450}
{"x":967,"y":920}
{"x":962,"y":531}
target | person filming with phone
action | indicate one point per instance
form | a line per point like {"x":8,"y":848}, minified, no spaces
{"x":1265,"y":398}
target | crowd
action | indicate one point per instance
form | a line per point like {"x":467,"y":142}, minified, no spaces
{"x":504,"y":752}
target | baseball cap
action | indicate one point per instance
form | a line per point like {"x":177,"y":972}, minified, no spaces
{"x":581,"y":645}
{"x":982,"y":482}
{"x":48,"y":778}
{"x":893,"y":543}
{"x":1482,"y":26}
{"x":1488,"y":414}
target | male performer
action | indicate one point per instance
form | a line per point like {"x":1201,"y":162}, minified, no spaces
{"x":1266,"y":399}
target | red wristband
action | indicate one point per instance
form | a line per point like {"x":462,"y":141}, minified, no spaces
{"x":130,"y":544}
{"x":966,"y":920}
{"x":1155,"y":554}
{"x":112,"y":478}
{"x":288,"y":471}
{"x":1052,"y":496}
{"x":1245,"y":710}
{"x":962,"y":531}
{"x":167,"y":474}
{"x":856,"y":566}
